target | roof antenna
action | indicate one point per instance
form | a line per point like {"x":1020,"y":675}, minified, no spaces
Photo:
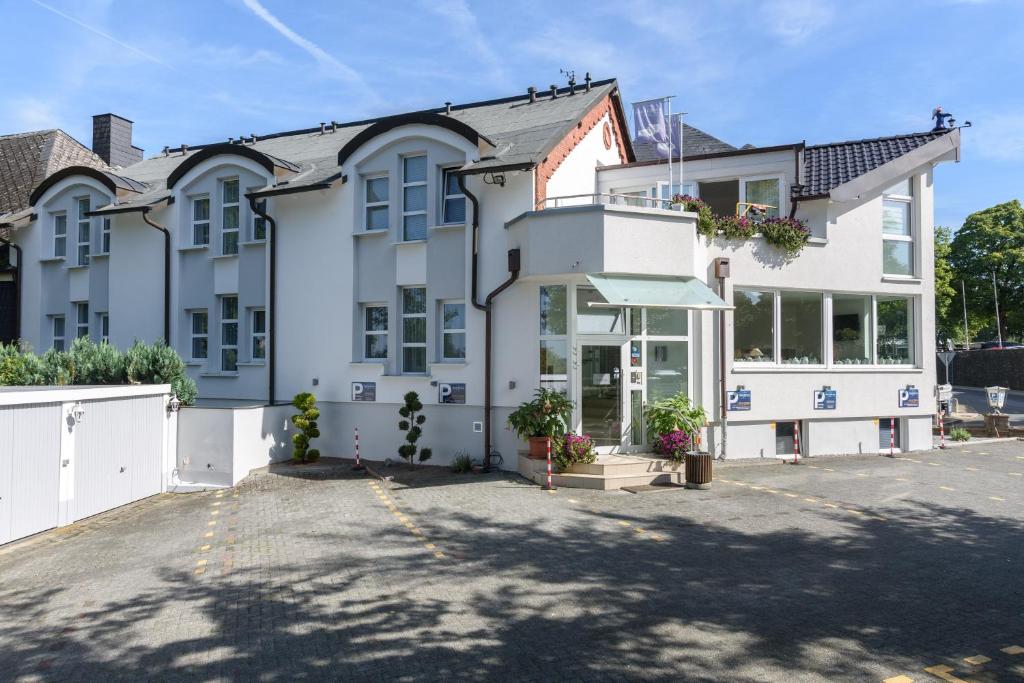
{"x":184,"y":149}
{"x":334,"y":126}
{"x":253,"y":135}
{"x":167,"y":150}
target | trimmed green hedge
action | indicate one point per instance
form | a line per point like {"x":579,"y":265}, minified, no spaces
{"x":89,"y":363}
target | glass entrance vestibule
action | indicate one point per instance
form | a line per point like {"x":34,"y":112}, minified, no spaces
{"x":614,"y":360}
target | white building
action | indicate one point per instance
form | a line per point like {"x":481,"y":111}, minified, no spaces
{"x":436,"y":252}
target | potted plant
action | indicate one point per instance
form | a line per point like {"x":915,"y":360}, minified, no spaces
{"x":546,"y":416}
{"x":675,"y":425}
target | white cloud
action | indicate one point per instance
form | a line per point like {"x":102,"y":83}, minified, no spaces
{"x":794,"y":21}
{"x":31,"y":113}
{"x":466,"y":27}
{"x":335,"y":66}
{"x":93,"y":29}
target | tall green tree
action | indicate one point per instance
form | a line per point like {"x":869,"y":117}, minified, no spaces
{"x":992,"y":241}
{"x":945,"y":321}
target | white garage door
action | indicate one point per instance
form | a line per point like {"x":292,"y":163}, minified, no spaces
{"x":29,"y":469}
{"x":117,"y":453}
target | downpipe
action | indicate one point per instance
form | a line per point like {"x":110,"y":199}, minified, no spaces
{"x":167,"y":272}
{"x":272,"y":295}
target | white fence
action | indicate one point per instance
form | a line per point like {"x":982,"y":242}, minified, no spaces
{"x":67,"y":453}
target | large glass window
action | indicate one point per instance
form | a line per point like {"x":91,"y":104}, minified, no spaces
{"x":82,"y":324}
{"x":200,"y":334}
{"x":895,"y":330}
{"x":801,"y":328}
{"x":259,"y":334}
{"x":666,"y":322}
{"x":554,"y":367}
{"x":60,"y":234}
{"x":229,"y":217}
{"x":414,"y":330}
{"x":667,"y":368}
{"x":897,"y":231}
{"x":375,"y":332}
{"x":453,"y":202}
{"x":200,"y":221}
{"x":414,"y":198}
{"x":84,"y":230}
{"x":58,"y":333}
{"x":851,"y":329}
{"x":453,"y":331}
{"x":754,"y":326}
{"x":104,"y":328}
{"x":763,"y":193}
{"x":377,"y":203}
{"x":597,"y":319}
{"x":229,"y":334}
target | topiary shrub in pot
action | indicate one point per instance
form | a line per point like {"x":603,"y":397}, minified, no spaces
{"x":537,"y":421}
{"x":305,"y":422}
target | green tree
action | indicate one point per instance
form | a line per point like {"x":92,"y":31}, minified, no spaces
{"x":305,"y":422}
{"x":992,"y":241}
{"x":946,"y":320}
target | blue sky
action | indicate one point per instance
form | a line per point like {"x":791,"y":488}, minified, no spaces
{"x":766,"y":73}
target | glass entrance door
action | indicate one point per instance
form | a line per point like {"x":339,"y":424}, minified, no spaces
{"x":601,"y":393}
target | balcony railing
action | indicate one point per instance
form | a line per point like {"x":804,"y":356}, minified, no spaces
{"x":606,"y":199}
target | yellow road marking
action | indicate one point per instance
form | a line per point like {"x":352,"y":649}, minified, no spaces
{"x":811,"y":500}
{"x":771,"y":491}
{"x":942,"y":671}
{"x":972,"y":469}
{"x":213,"y":523}
{"x":947,"y":488}
{"x":429,"y":546}
{"x":657,"y":537}
{"x":912,"y":460}
{"x":791,"y":495}
{"x":438,"y":554}
{"x":899,"y":679}
{"x":856,"y":512}
{"x":208,"y":534}
{"x":740,"y":483}
{"x":1016,"y":474}
{"x":215,"y":504}
{"x":829,"y":469}
{"x":996,"y":498}
{"x":199,"y":570}
{"x":977,"y":659}
{"x":573,"y":500}
{"x":200,"y":563}
{"x":624,"y":523}
{"x":204,"y":548}
{"x":814,"y":467}
{"x":1019,"y":457}
{"x":935,"y":464}
{"x":831,"y":505}
{"x":982,"y":452}
{"x":552,"y":492}
{"x":862,"y":474}
{"x":1013,"y":650}
{"x":639,"y":530}
{"x":902,"y":479}
{"x":757,"y":488}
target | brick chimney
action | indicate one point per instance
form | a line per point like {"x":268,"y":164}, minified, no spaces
{"x":112,"y":140}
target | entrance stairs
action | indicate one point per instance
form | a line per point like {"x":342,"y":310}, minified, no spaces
{"x":609,"y":472}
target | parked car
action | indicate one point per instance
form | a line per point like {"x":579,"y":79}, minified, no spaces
{"x":1001,"y":345}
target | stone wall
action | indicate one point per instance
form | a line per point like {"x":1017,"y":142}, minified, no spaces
{"x":1003,"y":367}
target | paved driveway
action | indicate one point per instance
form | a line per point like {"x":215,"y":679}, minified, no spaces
{"x":859,"y":568}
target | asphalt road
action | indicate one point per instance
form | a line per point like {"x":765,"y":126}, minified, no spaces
{"x":975,"y":399}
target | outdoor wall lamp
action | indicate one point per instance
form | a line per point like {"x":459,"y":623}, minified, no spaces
{"x":78,"y":413}
{"x":173,"y":405}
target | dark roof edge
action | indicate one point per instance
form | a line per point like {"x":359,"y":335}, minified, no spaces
{"x":616,"y":102}
{"x":880,"y":139}
{"x":111,"y":181}
{"x":423,"y":118}
{"x":711,"y":155}
{"x":226,"y":148}
{"x":434,"y":110}
{"x":325,"y":184}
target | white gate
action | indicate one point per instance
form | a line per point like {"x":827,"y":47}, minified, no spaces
{"x":67,"y":453}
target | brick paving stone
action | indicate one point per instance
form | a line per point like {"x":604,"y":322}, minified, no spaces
{"x":866,"y":570}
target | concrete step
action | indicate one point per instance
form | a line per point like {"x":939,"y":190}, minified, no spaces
{"x":617,"y":465}
{"x":609,"y":482}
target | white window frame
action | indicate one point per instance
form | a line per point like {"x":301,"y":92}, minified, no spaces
{"x":876,"y":358}
{"x":775,"y":360}
{"x":82,"y":319}
{"x":105,"y":235}
{"x":911,"y":238}
{"x":60,"y":238}
{"x":548,"y":381}
{"x":226,"y":232}
{"x":255,"y":336}
{"x":445,"y":197}
{"x":825,"y":330}
{"x":414,"y":345}
{"x":375,"y":333}
{"x":195,"y":223}
{"x":84,"y":246}
{"x":414,"y":183}
{"x":444,"y":331}
{"x":753,"y":178}
{"x":193,"y":335}
{"x":224,"y":323}
{"x":367,"y":205}
{"x":58,"y":341}
{"x":104,"y":325}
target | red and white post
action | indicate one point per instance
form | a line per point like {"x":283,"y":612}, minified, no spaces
{"x":942,"y":431}
{"x":796,"y":442}
{"x":892,"y":437}
{"x":549,"y":486}
{"x":358,"y":467}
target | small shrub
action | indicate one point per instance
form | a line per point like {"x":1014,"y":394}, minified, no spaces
{"x":570,"y":449}
{"x":305,"y":422}
{"x":412,"y":424}
{"x":19,"y":369}
{"x":462,"y":463}
{"x":97,"y":364}
{"x":57,"y":368}
{"x":959,"y":434}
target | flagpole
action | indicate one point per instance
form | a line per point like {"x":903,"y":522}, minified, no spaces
{"x":669,"y":100}
{"x":681,"y":115}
